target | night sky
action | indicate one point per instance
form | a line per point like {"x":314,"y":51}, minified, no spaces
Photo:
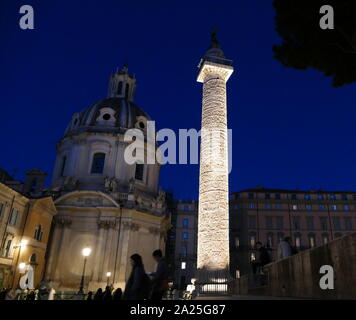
{"x":291,"y":129}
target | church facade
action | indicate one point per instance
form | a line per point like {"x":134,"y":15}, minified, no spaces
{"x":114,"y":208}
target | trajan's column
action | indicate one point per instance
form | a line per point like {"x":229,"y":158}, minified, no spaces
{"x":213,"y":218}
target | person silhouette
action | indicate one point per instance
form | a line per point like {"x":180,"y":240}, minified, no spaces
{"x":117,"y":294}
{"x":107,"y":294}
{"x":159,"y":278}
{"x":98,"y":294}
{"x":90,"y":295}
{"x":137,"y":286}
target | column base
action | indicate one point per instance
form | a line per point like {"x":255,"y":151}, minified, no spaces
{"x":213,"y":282}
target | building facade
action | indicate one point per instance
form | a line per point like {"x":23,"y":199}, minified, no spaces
{"x":25,"y":225}
{"x":310,"y":218}
{"x":186,"y":238}
{"x":33,"y":186}
{"x":171,"y":235}
{"x":105,"y":203}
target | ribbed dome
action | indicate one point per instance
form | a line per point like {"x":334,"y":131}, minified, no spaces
{"x":111,"y":115}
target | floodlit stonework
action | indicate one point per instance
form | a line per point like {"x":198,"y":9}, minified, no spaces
{"x":104,"y":203}
{"x":213,"y":225}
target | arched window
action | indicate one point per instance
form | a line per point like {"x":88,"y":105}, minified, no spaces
{"x":8,"y":246}
{"x":119,"y":88}
{"x":98,"y":163}
{"x":14,"y":217}
{"x":139,"y":171}
{"x":63,"y":166}
{"x":33,"y":258}
{"x":38,"y":233}
{"x":237,"y":242}
{"x":33,"y":184}
{"x":312,"y":242}
{"x":297,"y":238}
{"x":252,"y":240}
{"x":127,"y":91}
{"x":325,"y":237}
{"x":270,"y":240}
{"x":184,"y":250}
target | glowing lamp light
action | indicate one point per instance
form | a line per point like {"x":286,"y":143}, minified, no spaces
{"x":108,"y":274}
{"x":24,"y":243}
{"x":22,"y":266}
{"x":86,"y":252}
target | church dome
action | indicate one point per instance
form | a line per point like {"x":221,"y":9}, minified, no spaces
{"x":91,"y":155}
{"x":111,"y":115}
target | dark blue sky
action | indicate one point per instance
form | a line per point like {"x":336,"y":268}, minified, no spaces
{"x":290,"y":128}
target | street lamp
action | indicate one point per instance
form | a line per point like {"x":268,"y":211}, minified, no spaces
{"x":108,"y":275}
{"x":24,"y":243}
{"x":22,"y":267}
{"x":86,"y":253}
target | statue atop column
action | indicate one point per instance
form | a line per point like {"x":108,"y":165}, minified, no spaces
{"x":214,"y":40}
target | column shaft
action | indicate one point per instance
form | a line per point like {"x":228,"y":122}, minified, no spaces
{"x":213,"y":225}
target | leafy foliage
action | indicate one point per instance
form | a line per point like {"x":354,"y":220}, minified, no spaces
{"x":305,"y":45}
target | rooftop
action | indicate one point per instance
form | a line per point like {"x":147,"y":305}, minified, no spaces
{"x":273,"y":190}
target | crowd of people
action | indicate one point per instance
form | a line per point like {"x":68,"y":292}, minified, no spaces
{"x":147,"y":286}
{"x":263,"y":255}
{"x":140,"y":285}
{"x":106,"y":295}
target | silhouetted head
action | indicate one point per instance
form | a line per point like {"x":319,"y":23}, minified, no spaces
{"x":258,"y":244}
{"x":136,"y":260}
{"x":117,"y":294}
{"x":288,"y":239}
{"x":157,"y":255}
